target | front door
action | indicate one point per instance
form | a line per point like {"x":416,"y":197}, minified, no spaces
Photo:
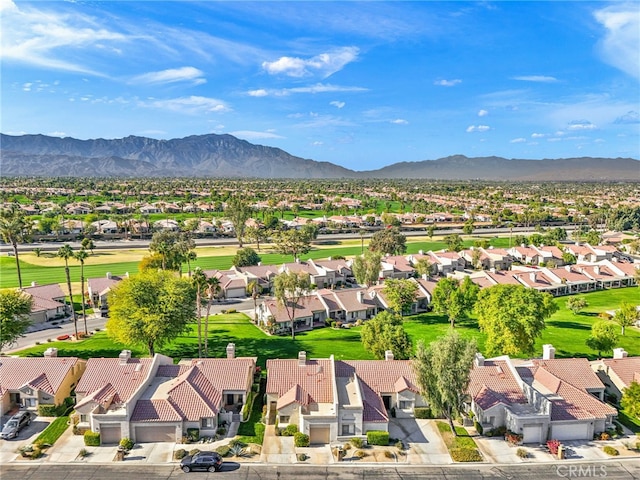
{"x":387,"y":401}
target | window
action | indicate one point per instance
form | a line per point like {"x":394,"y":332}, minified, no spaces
{"x":207,"y":422}
{"x":31,"y":402}
{"x":83,"y":418}
{"x":284,"y":419}
{"x":405,"y":404}
{"x":348,"y":429}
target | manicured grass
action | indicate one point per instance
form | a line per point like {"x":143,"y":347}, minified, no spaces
{"x":252,"y":431}
{"x":632,"y":423}
{"x":462,"y":447}
{"x":54,"y":431}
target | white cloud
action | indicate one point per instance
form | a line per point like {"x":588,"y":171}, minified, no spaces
{"x":172,"y":75}
{"x":483,"y":113}
{"x":317,"y":88}
{"x":399,"y":121}
{"x":538,"y":135}
{"x":581,"y":125}
{"x":317,"y":143}
{"x":628,"y":118}
{"x":324,"y":65}
{"x":337,"y":104}
{"x":260,"y":92}
{"x":518,"y":140}
{"x":536,"y":78}
{"x":447,"y":83}
{"x":478,"y":128}
{"x":27,"y":87}
{"x":620,"y":46}
{"x":253,"y":135}
{"x":190,"y":105}
{"x":57,"y":134}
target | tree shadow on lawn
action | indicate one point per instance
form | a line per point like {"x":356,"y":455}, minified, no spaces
{"x":428,"y":319}
{"x":568,"y":325}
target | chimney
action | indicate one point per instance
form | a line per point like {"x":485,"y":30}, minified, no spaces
{"x":52,"y":352}
{"x":302,"y":359}
{"x":532,"y":276}
{"x":126,"y":274}
{"x":360,"y":296}
{"x":421,"y":252}
{"x":596,"y":269}
{"x":388,"y":355}
{"x":548,"y":352}
{"x":259,"y":264}
{"x":567,"y":268}
{"x":330,"y":258}
{"x":619,"y":353}
{"x":479,"y":360}
{"x":33,"y":284}
{"x":109,"y":275}
{"x":231,"y":350}
{"x":124,"y":356}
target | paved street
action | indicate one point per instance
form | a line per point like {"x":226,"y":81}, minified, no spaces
{"x":611,"y":470}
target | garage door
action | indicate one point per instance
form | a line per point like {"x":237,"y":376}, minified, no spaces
{"x":109,"y":434}
{"x":532,"y":434}
{"x":155,"y":433}
{"x":577,"y":431}
{"x":319,"y":434}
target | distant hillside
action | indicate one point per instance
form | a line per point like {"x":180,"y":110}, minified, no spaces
{"x":227,"y":156}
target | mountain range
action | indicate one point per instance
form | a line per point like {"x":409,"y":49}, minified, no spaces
{"x":227,"y":156}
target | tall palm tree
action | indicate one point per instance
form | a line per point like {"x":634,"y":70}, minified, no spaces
{"x":13,"y":229}
{"x":66,"y":252}
{"x":212,"y":290}
{"x":81,"y":255}
{"x":253,"y":289}
{"x":199,"y":281}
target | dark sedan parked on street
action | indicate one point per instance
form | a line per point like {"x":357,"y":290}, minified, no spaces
{"x":202,"y":461}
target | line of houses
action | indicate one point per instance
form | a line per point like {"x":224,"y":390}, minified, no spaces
{"x":331,"y":400}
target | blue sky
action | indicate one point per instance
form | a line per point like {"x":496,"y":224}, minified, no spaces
{"x":362,"y":85}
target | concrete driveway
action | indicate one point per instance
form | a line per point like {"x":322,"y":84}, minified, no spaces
{"x":422,"y":439}
{"x":8,"y":448}
{"x":277,"y":449}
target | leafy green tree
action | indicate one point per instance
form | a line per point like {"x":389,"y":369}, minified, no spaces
{"x":246,"y":257}
{"x":389,"y":240}
{"x":454,"y":299}
{"x":289,"y":288}
{"x":603,"y":337}
{"x":81,"y":255}
{"x":443,"y":372}
{"x":454,"y":242}
{"x":151,"y":262}
{"x":238,"y":212}
{"x":15,"y":307}
{"x":593,"y":237}
{"x":253,"y":289}
{"x":626,"y":316}
{"x":66,"y":252}
{"x":467,"y":228}
{"x":257,"y":234}
{"x":13,"y":229}
{"x":400,"y":294}
{"x":151,"y":309}
{"x":423,"y":267}
{"x":186,"y":247}
{"x":366,"y":268}
{"x":568,"y":258}
{"x":630,"y":401}
{"x":87,"y":244}
{"x":430,"y":231}
{"x":292,"y":242}
{"x":512,"y":316}
{"x":576,"y":304}
{"x":167,"y":244}
{"x":386,"y":332}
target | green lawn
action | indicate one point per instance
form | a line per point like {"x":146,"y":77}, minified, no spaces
{"x":54,"y":431}
{"x":566,"y":331}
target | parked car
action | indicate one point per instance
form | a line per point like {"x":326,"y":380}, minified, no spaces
{"x":203,"y":461}
{"x":15,"y":424}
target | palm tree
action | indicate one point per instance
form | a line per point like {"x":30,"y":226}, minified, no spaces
{"x":66,"y":252}
{"x":13,"y":226}
{"x":81,"y":255}
{"x":212,"y":290}
{"x":199,"y":281}
{"x":252,"y":288}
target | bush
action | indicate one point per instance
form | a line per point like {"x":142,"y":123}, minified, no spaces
{"x":126,"y":443}
{"x":522,"y":453}
{"x":231,"y":310}
{"x":193,"y":434}
{"x":605,"y":316}
{"x":180,"y":454}
{"x":301,"y":457}
{"x":422,"y":412}
{"x":91,"y":439}
{"x":604,"y":436}
{"x":400,"y":445}
{"x":301,"y":439}
{"x":223,"y":450}
{"x":47,"y":410}
{"x":378,"y":437}
{"x":610,"y":451}
{"x":388,"y":454}
{"x":259,"y":429}
{"x":333,"y":324}
{"x":359,"y":454}
{"x":553,"y":446}
{"x":465,"y":455}
{"x":237,"y":443}
{"x":357,"y":442}
{"x":193,"y":451}
{"x":290,"y":430}
{"x":84,"y":453}
{"x":513,"y":438}
{"x":478,"y":427}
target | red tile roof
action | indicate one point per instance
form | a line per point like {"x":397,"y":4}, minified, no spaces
{"x":627,"y":369}
{"x":494,"y":383}
{"x":44,"y":373}
{"x":315,"y":377}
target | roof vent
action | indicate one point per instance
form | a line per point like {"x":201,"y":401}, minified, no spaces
{"x":124,"y":357}
{"x":388,"y":355}
{"x":619,"y":353}
{"x":302,"y":359}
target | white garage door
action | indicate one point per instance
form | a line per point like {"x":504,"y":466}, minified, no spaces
{"x":155,"y":433}
{"x":319,"y":434}
{"x":109,"y":434}
{"x":532,"y":434}
{"x":576,"y":431}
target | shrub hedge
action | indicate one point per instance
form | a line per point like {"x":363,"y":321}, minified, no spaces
{"x":378,"y":437}
{"x":422,"y":412}
{"x":609,"y":450}
{"x":465,"y":455}
{"x":91,"y":439}
{"x":301,"y":439}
